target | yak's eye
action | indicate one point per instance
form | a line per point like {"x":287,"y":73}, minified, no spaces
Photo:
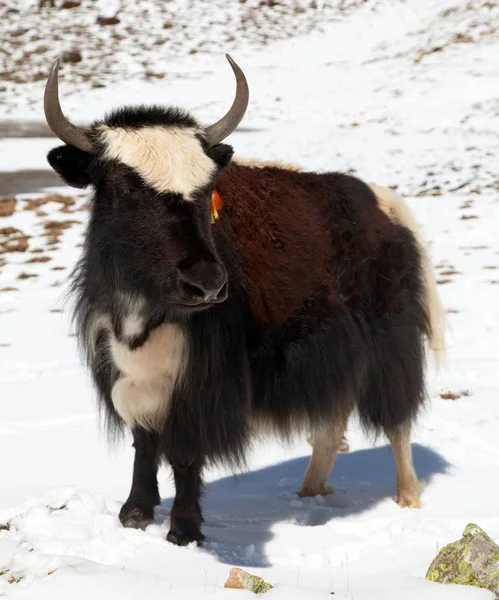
{"x":132,"y":192}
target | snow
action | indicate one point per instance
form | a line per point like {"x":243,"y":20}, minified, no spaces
{"x":364,"y":94}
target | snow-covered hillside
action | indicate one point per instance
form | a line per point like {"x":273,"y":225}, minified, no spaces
{"x":374,"y":89}
{"x":106,"y":41}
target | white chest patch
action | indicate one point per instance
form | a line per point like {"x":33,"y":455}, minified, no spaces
{"x":142,"y":394}
{"x":169,"y":159}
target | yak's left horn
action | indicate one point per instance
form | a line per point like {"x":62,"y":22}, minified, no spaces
{"x":217,"y":132}
{"x":58,"y":123}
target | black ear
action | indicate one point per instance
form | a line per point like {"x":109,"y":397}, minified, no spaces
{"x":221,"y":154}
{"x":71,"y":164}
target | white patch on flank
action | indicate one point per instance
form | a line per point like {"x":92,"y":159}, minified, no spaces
{"x":168,"y":158}
{"x":393,"y":205}
{"x":142,"y":394}
{"x":261,"y":164}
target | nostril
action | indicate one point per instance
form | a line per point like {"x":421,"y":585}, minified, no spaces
{"x":194,"y":290}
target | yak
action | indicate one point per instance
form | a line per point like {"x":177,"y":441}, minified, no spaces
{"x":219,"y":299}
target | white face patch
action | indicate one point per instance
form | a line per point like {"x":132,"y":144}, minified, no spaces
{"x":167,"y":158}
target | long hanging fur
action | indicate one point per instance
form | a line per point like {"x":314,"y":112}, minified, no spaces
{"x":397,"y":209}
{"x":322,"y":298}
{"x":331,"y":294}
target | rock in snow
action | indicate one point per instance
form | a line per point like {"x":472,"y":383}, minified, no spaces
{"x":242,"y":580}
{"x":472,"y":560}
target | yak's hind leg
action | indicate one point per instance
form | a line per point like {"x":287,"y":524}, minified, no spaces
{"x":408,"y":485}
{"x":325,"y":446}
{"x":138,"y":510}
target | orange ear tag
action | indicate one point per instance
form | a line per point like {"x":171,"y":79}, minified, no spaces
{"x":216,"y":205}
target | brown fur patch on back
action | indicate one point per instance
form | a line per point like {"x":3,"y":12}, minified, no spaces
{"x":285,"y":246}
{"x":309,"y":239}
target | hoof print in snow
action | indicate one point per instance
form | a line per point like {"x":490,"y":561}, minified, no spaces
{"x":242,"y":580}
{"x":472,"y":560}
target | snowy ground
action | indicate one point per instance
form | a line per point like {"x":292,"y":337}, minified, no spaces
{"x":361,"y":97}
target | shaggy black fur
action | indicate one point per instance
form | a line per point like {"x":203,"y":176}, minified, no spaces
{"x":325,"y":312}
{"x":144,"y":495}
{"x":148,"y":116}
{"x":71,"y":164}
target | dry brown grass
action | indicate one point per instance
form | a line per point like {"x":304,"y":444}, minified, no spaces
{"x":12,"y":240}
{"x":449,"y":395}
{"x":7,"y":205}
{"x":38,"y":259}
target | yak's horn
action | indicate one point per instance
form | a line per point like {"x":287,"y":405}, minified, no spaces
{"x":215,"y":133}
{"x":63,"y":129}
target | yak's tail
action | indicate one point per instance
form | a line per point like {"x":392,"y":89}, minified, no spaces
{"x":393,"y":205}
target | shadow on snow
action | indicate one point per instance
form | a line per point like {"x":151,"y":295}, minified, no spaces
{"x":241,"y":510}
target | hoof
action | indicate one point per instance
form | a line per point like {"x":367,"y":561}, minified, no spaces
{"x":134,"y":517}
{"x":409,"y":501}
{"x":321,"y":490}
{"x":344,"y":447}
{"x":184,"y":538}
{"x":410,"y":497}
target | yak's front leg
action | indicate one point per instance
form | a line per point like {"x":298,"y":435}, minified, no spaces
{"x":138,"y":510}
{"x":185,"y":516}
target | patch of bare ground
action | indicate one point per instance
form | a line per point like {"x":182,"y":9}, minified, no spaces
{"x":7,"y":205}
{"x":458,"y":38}
{"x":38,"y":259}
{"x":36,"y":203}
{"x":54,"y":230}
{"x":432,"y":191}
{"x":12,"y":240}
{"x":466,"y":204}
{"x":449,"y":395}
